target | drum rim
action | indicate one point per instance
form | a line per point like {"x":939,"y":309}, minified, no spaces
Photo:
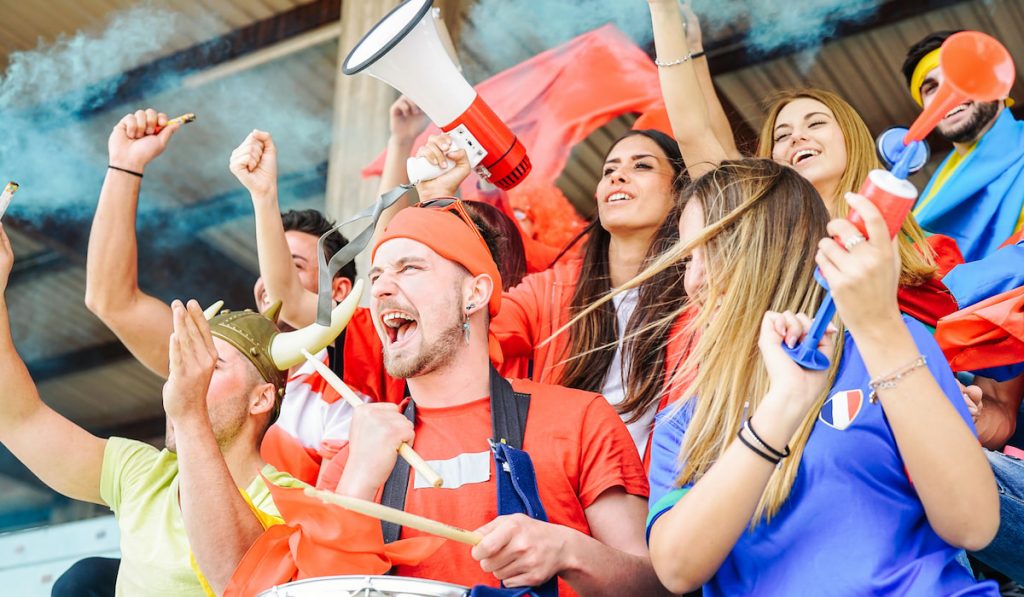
{"x":382,"y":578}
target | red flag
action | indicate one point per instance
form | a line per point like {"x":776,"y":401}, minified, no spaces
{"x":320,"y":539}
{"x":557,"y":98}
{"x":987,"y":334}
{"x":931,"y":301}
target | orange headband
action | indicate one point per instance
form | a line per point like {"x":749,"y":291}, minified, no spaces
{"x":448,"y":235}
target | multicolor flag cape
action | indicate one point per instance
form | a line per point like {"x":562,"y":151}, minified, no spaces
{"x":980,"y":202}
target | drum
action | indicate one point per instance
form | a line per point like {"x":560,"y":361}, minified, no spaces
{"x":366,"y":586}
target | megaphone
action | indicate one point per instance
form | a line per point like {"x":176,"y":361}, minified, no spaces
{"x":975,"y":67}
{"x":405,"y":51}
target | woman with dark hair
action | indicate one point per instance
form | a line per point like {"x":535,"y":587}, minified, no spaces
{"x":637,"y":216}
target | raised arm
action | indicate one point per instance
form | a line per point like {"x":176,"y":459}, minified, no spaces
{"x":60,"y":453}
{"x":407,"y":122}
{"x":950,"y":472}
{"x":142,"y":322}
{"x":698,"y":121}
{"x":219,"y":523}
{"x":254,"y":164}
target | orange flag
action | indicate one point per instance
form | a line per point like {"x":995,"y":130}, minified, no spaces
{"x":987,"y":334}
{"x":317,"y":540}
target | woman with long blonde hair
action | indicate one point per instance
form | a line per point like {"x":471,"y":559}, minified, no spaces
{"x":813,"y":131}
{"x":768,"y":479}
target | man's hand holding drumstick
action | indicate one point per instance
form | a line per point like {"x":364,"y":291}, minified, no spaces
{"x":404,"y":447}
{"x":379,"y":433}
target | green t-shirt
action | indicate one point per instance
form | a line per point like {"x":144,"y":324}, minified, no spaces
{"x":140,"y":484}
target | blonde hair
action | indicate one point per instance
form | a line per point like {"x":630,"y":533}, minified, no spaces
{"x":916,"y":256}
{"x":763,"y":223}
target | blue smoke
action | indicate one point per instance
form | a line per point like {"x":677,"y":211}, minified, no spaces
{"x":506,"y":32}
{"x":774,"y":24}
{"x":58,"y":104}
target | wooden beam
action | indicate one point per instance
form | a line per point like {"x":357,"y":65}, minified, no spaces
{"x":37,"y":264}
{"x":76,"y":361}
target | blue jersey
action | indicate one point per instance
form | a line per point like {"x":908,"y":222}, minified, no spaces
{"x":853,"y":524}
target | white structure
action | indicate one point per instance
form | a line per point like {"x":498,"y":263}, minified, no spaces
{"x":31,"y":560}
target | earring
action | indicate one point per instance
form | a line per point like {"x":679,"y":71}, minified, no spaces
{"x":465,"y":328}
{"x":470,"y":306}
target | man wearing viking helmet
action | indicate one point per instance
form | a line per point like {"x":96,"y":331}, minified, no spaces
{"x":206,"y":492}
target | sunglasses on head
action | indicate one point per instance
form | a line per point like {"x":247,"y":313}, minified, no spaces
{"x":453,"y":206}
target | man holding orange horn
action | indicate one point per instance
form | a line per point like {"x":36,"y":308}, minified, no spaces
{"x":977,"y":194}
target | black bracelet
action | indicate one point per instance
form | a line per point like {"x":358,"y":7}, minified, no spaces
{"x":697,"y":55}
{"x":780,"y":455}
{"x":756,"y":450}
{"x":132,"y":172}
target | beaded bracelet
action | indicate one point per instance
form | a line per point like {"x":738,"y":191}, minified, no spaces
{"x":687,"y":58}
{"x":890,"y":381}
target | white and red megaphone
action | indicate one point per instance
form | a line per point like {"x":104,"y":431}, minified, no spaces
{"x":405,"y":51}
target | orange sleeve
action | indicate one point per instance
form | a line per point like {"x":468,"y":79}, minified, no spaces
{"x":516,"y":326}
{"x":331,"y":469}
{"x":608,"y":456}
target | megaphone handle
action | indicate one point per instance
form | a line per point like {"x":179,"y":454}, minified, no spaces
{"x":419,"y":170}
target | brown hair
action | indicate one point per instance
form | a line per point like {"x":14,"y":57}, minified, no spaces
{"x":593,"y":338}
{"x":916,"y":256}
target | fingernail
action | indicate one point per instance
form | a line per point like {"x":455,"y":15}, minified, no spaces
{"x":444,"y":163}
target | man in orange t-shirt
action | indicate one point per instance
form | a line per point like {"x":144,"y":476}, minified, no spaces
{"x":434,"y":289}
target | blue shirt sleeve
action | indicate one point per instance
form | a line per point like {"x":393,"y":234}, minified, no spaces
{"x":669,"y":429}
{"x":939,"y":368}
{"x":995,"y":274}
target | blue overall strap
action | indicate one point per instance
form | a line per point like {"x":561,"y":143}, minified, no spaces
{"x":508,"y":421}
{"x":517,"y":480}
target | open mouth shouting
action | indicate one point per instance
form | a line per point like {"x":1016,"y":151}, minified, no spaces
{"x":400,"y":326}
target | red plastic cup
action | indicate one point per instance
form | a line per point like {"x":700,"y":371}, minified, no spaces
{"x":891,"y":195}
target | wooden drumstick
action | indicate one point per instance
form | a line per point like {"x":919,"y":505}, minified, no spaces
{"x":405,"y":450}
{"x":399,"y":517}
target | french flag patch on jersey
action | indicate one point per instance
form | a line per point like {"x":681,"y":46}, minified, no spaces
{"x":841,"y":409}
